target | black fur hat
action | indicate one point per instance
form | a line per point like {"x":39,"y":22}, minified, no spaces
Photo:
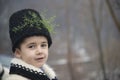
{"x":26,"y":23}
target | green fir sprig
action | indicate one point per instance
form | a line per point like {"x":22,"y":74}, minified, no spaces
{"x":47,"y":22}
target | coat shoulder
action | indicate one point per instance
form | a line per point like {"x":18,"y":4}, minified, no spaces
{"x":6,"y":73}
{"x":15,"y":77}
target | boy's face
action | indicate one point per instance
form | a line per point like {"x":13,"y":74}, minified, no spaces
{"x":33,"y":50}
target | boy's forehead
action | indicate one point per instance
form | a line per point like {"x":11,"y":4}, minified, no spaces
{"x":35,"y":38}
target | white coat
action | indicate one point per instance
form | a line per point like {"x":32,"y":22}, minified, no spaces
{"x":20,"y":70}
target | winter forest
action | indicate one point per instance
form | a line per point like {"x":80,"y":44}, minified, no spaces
{"x":86,"y":42}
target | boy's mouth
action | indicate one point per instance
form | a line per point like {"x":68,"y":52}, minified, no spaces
{"x":39,"y":59}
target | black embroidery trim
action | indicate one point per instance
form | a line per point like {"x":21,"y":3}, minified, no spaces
{"x":26,"y":72}
{"x":55,"y":79}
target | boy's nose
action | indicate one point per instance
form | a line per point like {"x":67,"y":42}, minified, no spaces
{"x":39,"y":50}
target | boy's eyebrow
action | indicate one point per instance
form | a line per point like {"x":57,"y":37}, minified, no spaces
{"x":41,"y":42}
{"x":31,"y":43}
{"x":45,"y":42}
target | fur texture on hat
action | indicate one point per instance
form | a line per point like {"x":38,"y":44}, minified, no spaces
{"x":26,"y":23}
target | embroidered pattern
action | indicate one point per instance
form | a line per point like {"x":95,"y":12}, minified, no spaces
{"x":27,"y":69}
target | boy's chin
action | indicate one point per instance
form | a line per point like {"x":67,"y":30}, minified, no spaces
{"x":39,"y":65}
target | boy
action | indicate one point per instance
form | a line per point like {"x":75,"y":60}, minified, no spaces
{"x":30,"y":43}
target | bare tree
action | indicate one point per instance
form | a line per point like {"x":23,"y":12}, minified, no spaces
{"x":112,"y":12}
{"x":97,"y":28}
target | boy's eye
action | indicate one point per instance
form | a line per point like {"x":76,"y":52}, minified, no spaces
{"x":31,"y":46}
{"x":43,"y":45}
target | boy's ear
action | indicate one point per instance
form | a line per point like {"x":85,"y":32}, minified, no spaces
{"x":17,"y":53}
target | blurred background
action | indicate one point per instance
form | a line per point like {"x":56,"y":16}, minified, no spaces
{"x":86,"y":43}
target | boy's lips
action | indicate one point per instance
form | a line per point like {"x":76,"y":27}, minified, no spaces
{"x":40,"y":59}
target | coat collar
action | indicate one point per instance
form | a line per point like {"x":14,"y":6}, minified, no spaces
{"x":44,"y":70}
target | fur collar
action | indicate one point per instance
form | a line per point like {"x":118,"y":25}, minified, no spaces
{"x":44,"y":69}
